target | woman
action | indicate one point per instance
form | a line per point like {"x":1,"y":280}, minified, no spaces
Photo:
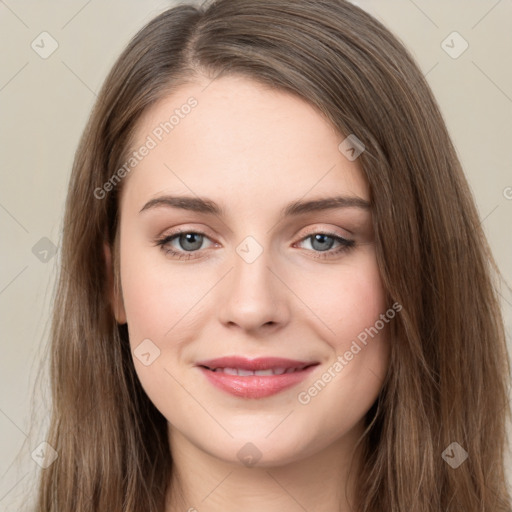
{"x":258,"y":369}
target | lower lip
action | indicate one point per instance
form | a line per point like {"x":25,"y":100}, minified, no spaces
{"x":255,"y":386}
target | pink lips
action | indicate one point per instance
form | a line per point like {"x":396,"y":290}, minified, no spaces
{"x":272,"y":374}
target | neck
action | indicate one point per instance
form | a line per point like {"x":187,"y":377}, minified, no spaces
{"x":321,"y":481}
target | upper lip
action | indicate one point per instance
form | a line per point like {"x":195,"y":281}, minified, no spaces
{"x":260,"y":363}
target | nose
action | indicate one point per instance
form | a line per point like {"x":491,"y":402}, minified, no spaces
{"x":254,"y":296}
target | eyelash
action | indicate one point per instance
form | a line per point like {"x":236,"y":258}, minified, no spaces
{"x":345,"y":246}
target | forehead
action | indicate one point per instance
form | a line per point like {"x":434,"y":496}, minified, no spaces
{"x":239,"y":136}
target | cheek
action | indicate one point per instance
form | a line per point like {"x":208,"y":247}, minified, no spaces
{"x":160,"y":301}
{"x":350,"y":381}
{"x":158,"y":297}
{"x":344,"y":301}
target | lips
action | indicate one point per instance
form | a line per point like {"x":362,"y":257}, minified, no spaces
{"x":255,"y":378}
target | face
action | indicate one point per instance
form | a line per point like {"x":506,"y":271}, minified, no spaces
{"x":229,"y":280}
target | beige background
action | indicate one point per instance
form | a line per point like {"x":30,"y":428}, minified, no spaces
{"x":44,"y":104}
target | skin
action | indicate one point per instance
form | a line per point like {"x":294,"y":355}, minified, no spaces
{"x":252,"y":150}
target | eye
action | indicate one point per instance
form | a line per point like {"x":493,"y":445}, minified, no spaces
{"x":188,"y":242}
{"x":321,"y":242}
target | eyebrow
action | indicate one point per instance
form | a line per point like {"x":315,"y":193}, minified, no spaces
{"x":203,"y":205}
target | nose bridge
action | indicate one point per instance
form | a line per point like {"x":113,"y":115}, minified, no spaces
{"x":253,"y":297}
{"x":251,"y":274}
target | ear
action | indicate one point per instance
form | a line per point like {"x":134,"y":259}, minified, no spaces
{"x":114,"y":294}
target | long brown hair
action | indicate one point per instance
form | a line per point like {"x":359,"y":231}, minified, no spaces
{"x":449,"y":367}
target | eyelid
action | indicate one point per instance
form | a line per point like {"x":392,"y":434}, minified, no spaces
{"x":169,"y":232}
{"x":326,"y":231}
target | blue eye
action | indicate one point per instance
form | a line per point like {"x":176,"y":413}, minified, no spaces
{"x":189,"y":241}
{"x":192,"y":241}
{"x":323,"y":243}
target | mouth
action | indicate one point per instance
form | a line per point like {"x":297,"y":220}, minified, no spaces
{"x":246,"y":373}
{"x":255,"y":378}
